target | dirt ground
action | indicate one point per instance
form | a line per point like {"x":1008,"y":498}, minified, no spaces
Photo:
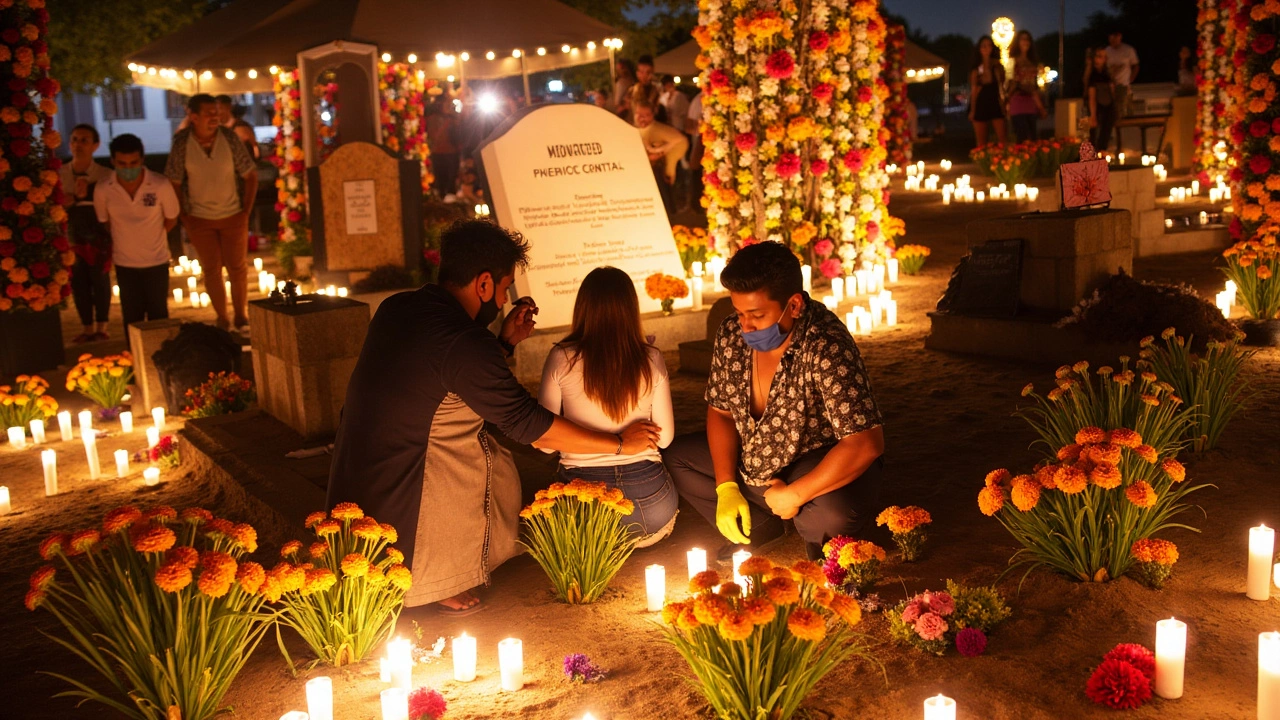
{"x":948,"y":421}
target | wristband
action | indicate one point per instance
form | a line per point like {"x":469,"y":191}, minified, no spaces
{"x":619,"y":450}
{"x":507,"y":347}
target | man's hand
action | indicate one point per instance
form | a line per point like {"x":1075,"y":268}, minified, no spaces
{"x":782,"y":500}
{"x":519,"y":324}
{"x":640,"y":436}
{"x":730,"y":508}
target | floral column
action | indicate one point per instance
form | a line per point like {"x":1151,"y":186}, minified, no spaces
{"x":290,"y":158}
{"x":1257,"y":131}
{"x":403,"y":111}
{"x":1216,"y":107}
{"x":895,"y":109}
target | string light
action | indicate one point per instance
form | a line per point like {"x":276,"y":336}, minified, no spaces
{"x":413,"y":58}
{"x":465,"y":56}
{"x":448,"y":78}
{"x":677,"y":79}
{"x":386,"y":57}
{"x":253,"y":74}
{"x":151,"y":71}
{"x":488,"y":56}
{"x":231,"y":74}
{"x":133,"y":67}
{"x":542,"y":51}
{"x":275,"y":69}
{"x":564,"y":48}
{"x":206,"y":75}
{"x":444,"y":61}
{"x":591,"y":45}
{"x":515,"y":53}
{"x":188,"y":74}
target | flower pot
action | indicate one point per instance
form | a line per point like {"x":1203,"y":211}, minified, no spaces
{"x":30,"y":342}
{"x":668,"y":306}
{"x":1261,"y":333}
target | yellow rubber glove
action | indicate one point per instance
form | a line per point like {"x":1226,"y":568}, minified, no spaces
{"x":730,"y":507}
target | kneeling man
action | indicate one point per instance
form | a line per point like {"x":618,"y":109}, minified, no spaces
{"x":793,"y":431}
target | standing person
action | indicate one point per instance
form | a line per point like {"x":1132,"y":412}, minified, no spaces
{"x":1186,"y":71}
{"x":986,"y":81}
{"x":1100,"y":91}
{"x":604,"y":376}
{"x":665,"y":146}
{"x":412,"y":448}
{"x":442,"y":139}
{"x":91,"y":275}
{"x":674,"y":102}
{"x":693,"y":129}
{"x":790,"y":415}
{"x":139,"y":208}
{"x":1026,"y":106}
{"x":1122,"y":63}
{"x":625,"y":73}
{"x":216,"y":180}
{"x":646,"y":91}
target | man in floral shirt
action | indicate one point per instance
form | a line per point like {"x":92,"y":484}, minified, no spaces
{"x":793,"y":431}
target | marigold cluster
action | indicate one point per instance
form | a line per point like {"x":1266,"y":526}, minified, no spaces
{"x":903,"y":519}
{"x":1153,"y":550}
{"x":584,"y":492}
{"x":665,"y":287}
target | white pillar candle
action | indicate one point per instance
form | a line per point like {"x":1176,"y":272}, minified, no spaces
{"x":37,"y":432}
{"x":1019,"y":191}
{"x":1121,"y":157}
{"x":697,"y":558}
{"x":395,"y":704}
{"x":1269,"y":676}
{"x":18,"y":437}
{"x":295,"y":715}
{"x":511,"y":664}
{"x":940,"y":707}
{"x":195,"y":268}
{"x":806,"y":273}
{"x":1224,"y":305}
{"x":851,"y":322}
{"x":157,"y":416}
{"x":860,"y":279}
{"x":122,"y":463}
{"x":981,"y":196}
{"x":320,"y":698}
{"x":184,"y":261}
{"x":1230,"y":288}
{"x":191,"y":283}
{"x":655,"y":587}
{"x":257,"y":264}
{"x":946,"y":164}
{"x":177,"y":295}
{"x":153,"y":437}
{"x":342,"y":292}
{"x":1262,"y":547}
{"x":384,"y":671}
{"x":115,"y":293}
{"x":946,"y":196}
{"x":1195,"y":187}
{"x":879,"y":272}
{"x":204,"y":299}
{"x":64,"y":425}
{"x":86,"y":423}
{"x":695,"y":291}
{"x":151,"y":476}
{"x":864,"y":320}
{"x":1275,"y":575}
{"x":126,"y":422}
{"x":464,"y":658}
{"x":891,"y":312}
{"x":400,"y":660}
{"x":892,"y":264}
{"x":1033,"y":193}
{"x":696,"y":270}
{"x":830,"y":301}
{"x":4,"y":501}
{"x":91,"y":452}
{"x":837,"y":288}
{"x":1171,"y":654}
{"x":874,"y":301}
{"x":195,"y":299}
{"x":740,"y":557}
{"x":49,"y":459}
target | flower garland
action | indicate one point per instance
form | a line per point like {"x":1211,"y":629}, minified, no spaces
{"x":34,"y":252}
{"x":290,"y":158}
{"x":792,"y":125}
{"x":325,"y":98}
{"x":403,"y":108}
{"x":895,"y":112}
{"x":1216,"y":107}
{"x":1257,"y":132}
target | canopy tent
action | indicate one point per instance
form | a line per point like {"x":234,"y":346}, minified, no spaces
{"x":922,"y":65}
{"x":233,"y":50}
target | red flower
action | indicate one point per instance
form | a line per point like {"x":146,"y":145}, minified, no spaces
{"x":819,"y":40}
{"x":781,"y":64}
{"x":48,"y":87}
{"x":1275,"y":126}
{"x":788,"y":165}
{"x":431,"y":256}
{"x":853,"y":160}
{"x":426,"y":704}
{"x":295,"y":216}
{"x":831,"y":268}
{"x":818,"y":166}
{"x":746,"y":142}
{"x":13,"y":290}
{"x":19,"y":100}
{"x":1259,"y":128}
{"x":60,"y":244}
{"x":20,"y":148}
{"x":822,"y":92}
{"x":1118,"y":685}
{"x":7,"y":249}
{"x":11,"y":36}
{"x":1259,"y":164}
{"x":40,"y":269}
{"x":1136,"y":655}
{"x":718,"y":79}
{"x":1264,"y":43}
{"x":33,"y":235}
{"x":865,"y":94}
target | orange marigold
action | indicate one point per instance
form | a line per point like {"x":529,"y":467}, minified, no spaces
{"x":704,"y":581}
{"x":219,"y":526}
{"x":291,"y":577}
{"x":251,"y":576}
{"x":688,"y":620}
{"x":729,"y":590}
{"x":154,"y":539}
{"x":1025,"y":493}
{"x":1151,"y":400}
{"x":41,"y":578}
{"x":1070,"y":453}
{"x":782,"y":591}
{"x":53,"y":545}
{"x":120,"y":519}
{"x":809,"y":571}
{"x":314,"y":518}
{"x":82,"y":541}
{"x":1146,"y":452}
{"x":325,"y":528}
{"x":389,"y":533}
{"x":161,"y":513}
{"x":671,"y":612}
{"x":33,"y":599}
{"x":318,"y":549}
{"x":1124,"y":437}
{"x":318,"y":581}
{"x":173,"y":576}
{"x":1044,"y":476}
{"x":1105,"y":475}
{"x":860,"y":551}
{"x":846,"y":608}
{"x":271,"y":588}
{"x":735,"y":626}
{"x":245,"y":536}
{"x":346,"y":511}
{"x":376,"y":577}
{"x":1105,"y":452}
{"x":400,"y":576}
{"x":1090,"y":435}
{"x":1155,"y":550}
{"x":367,"y":529}
{"x":1174,"y":470}
{"x":355,"y":565}
{"x":759,"y":610}
{"x":710,"y":609}
{"x":293,"y":547}
{"x":755,"y":565}
{"x":195,"y":515}
{"x":1070,"y":480}
{"x":1141,"y":494}
{"x":997,"y":478}
{"x":822,"y":596}
{"x":807,"y":625}
{"x":990,"y":500}
{"x":183,"y":555}
{"x":903,"y":520}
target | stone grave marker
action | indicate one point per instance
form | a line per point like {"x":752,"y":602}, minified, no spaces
{"x":987,"y":281}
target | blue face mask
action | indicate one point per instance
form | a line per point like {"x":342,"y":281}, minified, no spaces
{"x":129,"y":174}
{"x":765,"y":339}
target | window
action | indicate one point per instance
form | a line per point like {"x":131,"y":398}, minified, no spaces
{"x":123,"y":105}
{"x":175,"y":105}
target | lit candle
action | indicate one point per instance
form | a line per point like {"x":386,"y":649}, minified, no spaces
{"x":946,"y":196}
{"x":37,"y":431}
{"x":697,"y":558}
{"x":860,"y":279}
{"x":49,"y":459}
{"x":320,"y":698}
{"x":740,"y":557}
{"x":400,"y":660}
{"x":891,"y":312}
{"x":981,"y":196}
{"x":695,"y":290}
{"x":115,"y":293}
{"x":157,"y":416}
{"x":395,"y":704}
{"x":864,"y":320}
{"x":257,"y":264}
{"x":295,"y":715}
{"x":1224,"y":304}
{"x":342,"y":292}
{"x":830,"y":301}
{"x":151,"y":476}
{"x":464,"y":658}
{"x":122,"y":463}
{"x":204,"y":299}
{"x":153,"y":437}
{"x":18,"y":437}
{"x":837,"y":288}
{"x":946,"y":165}
{"x":1121,"y":157}
{"x":184,"y":261}
{"x":655,"y":584}
{"x":195,"y":268}
{"x":806,"y":273}
{"x":1195,"y":187}
{"x":851,"y":322}
{"x":1019,"y":191}
{"x":1262,"y":546}
{"x":1171,"y":654}
{"x":191,"y":283}
{"x":878,"y":271}
{"x":1230,"y":288}
{"x":893,"y":269}
{"x":64,"y":425}
{"x":1033,"y":193}
{"x":511,"y":664}
{"x":86,"y":423}
{"x":4,"y":500}
{"x":1269,"y":676}
{"x":91,"y":452}
{"x":177,"y":295}
{"x":1204,"y":218}
{"x":126,"y":422}
{"x":697,"y":269}
{"x":195,"y":299}
{"x":875,"y":303}
{"x":940,"y":707}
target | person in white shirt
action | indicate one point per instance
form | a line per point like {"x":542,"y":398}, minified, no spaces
{"x":1122,"y":63}
{"x":91,"y":276}
{"x":675,"y":102}
{"x":603,"y":376}
{"x":139,"y":208}
{"x":665,"y":146}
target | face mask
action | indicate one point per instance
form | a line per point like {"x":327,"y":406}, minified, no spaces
{"x":488,"y":311}
{"x":129,"y":174}
{"x":770,"y":338}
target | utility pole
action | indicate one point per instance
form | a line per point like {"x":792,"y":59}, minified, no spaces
{"x":1062,"y":34}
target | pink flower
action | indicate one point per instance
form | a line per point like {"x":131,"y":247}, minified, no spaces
{"x":788,"y":165}
{"x":830,"y":268}
{"x":971,"y":642}
{"x":823,"y":248}
{"x":931,"y":626}
{"x":718,"y":79}
{"x":941,"y":603}
{"x":426,"y":704}
{"x":913,"y":610}
{"x":781,"y":64}
{"x":822,"y":92}
{"x":853,"y":160}
{"x":1118,"y":685}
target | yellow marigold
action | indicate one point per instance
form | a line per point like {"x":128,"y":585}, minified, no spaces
{"x":1025,"y":493}
{"x":782,"y":591}
{"x":846,"y":608}
{"x":400,"y":576}
{"x":154,"y":539}
{"x":1070,"y":480}
{"x":290,"y":576}
{"x":318,"y":549}
{"x":367,"y":528}
{"x":325,"y":528}
{"x":704,"y":581}
{"x":1105,"y":453}
{"x":41,"y":578}
{"x":809,"y":571}
{"x":82,"y":541}
{"x":755,"y":565}
{"x":394,"y":555}
{"x":1174,"y":470}
{"x":1105,"y":475}
{"x":346,"y":511}
{"x":1156,"y":551}
{"x":807,"y":625}
{"x":1151,"y":400}
{"x":1146,"y":452}
{"x":314,"y":518}
{"x":990,"y":500}
{"x":1091,"y":435}
{"x":173,"y":576}
{"x":376,"y":577}
{"x":389,"y":533}
{"x":1028,"y":389}
{"x":997,"y":478}
{"x":671,"y":612}
{"x":120,"y":519}
{"x":612,"y":496}
{"x":355,"y":565}
{"x":735,"y":626}
{"x":555,"y":490}
{"x":251,"y":576}
{"x":271,"y":588}
{"x":1124,"y":437}
{"x":318,"y":581}
{"x":293,"y":547}
{"x":759,"y":610}
{"x":624,"y":507}
{"x":688,"y":620}
{"x":1141,"y":494}
{"x":729,"y":590}
{"x":245,"y":536}
{"x":856,"y":552}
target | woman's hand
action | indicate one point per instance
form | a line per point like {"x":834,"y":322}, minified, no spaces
{"x":640,"y":436}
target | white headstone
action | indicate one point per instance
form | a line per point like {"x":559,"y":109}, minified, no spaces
{"x":575,"y":180}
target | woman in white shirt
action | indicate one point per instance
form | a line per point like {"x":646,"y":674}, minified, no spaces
{"x":603,"y":376}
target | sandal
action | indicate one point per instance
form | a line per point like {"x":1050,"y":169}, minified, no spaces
{"x":82,"y":338}
{"x":472,"y":609}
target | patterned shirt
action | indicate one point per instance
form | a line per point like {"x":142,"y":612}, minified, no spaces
{"x":820,"y":393}
{"x":176,"y":167}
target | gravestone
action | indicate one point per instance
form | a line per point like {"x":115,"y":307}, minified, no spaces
{"x":366,"y":212}
{"x":576,"y":182}
{"x":185,"y":360}
{"x":987,"y":282}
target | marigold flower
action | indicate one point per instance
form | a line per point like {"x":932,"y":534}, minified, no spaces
{"x":317,"y":550}
{"x":860,"y":551}
{"x":293,"y":547}
{"x":710,"y":609}
{"x":688,"y":620}
{"x":782,"y":591}
{"x":1155,"y":550}
{"x":251,"y":576}
{"x":161,"y":513}
{"x":1081,"y":367}
{"x":394,"y":555}
{"x":1105,"y":475}
{"x":153,"y":539}
{"x":729,"y":590}
{"x":998,"y":477}
{"x":1025,"y":493}
{"x":183,"y":555}
{"x":271,"y":588}
{"x":903,"y":520}
{"x":1070,"y":453}
{"x":318,"y":580}
{"x":120,"y":519}
{"x":82,"y":541}
{"x":195,"y":515}
{"x":173,"y":576}
{"x":33,"y":599}
{"x":1174,"y":470}
{"x":1028,"y":389}
{"x":1091,"y":435}
{"x":314,"y":518}
{"x":1141,"y":494}
{"x":822,"y":596}
{"x":1105,"y":453}
{"x":325,"y":528}
{"x":846,"y":608}
{"x":809,"y":571}
{"x":41,"y":578}
{"x":219,"y":526}
{"x":759,"y":610}
{"x":671,"y":612}
{"x":1070,"y":480}
{"x":53,"y":545}
{"x":389,"y":533}
{"x":245,"y":536}
{"x":1146,"y":452}
{"x":400,"y":576}
{"x":755,"y":565}
{"x":367,"y":529}
{"x":1124,"y":437}
{"x":704,"y":581}
{"x":807,"y":625}
{"x":735,"y":626}
{"x":990,"y":500}
{"x":355,"y":565}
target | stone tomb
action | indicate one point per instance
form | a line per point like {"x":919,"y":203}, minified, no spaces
{"x":366,"y":212}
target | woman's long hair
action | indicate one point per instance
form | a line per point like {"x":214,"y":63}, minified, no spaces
{"x":609,"y":342}
{"x":1015,"y":52}
{"x":977,"y":52}
{"x":1103,"y":74}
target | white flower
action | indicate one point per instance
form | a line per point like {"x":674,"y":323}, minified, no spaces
{"x":828,"y":207}
{"x":866,"y":203}
{"x":719,"y":148}
{"x":791,"y":99}
{"x":773,"y":211}
{"x":745,"y":209}
{"x":842,"y":65}
{"x":745,"y":94}
{"x":746,"y":158}
{"x":773,"y":189}
{"x":846,"y":203}
{"x":863,"y":135}
{"x":847,"y":252}
{"x":774,"y":237}
{"x":824,"y":111}
{"x":741,"y":47}
{"x":722,"y":217}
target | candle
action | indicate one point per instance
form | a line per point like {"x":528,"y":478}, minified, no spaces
{"x":400,"y":660}
{"x":151,"y":476}
{"x":64,"y":425}
{"x":1224,"y":304}
{"x":864,"y":320}
{"x":157,"y":416}
{"x":115,"y":293}
{"x":86,"y":423}
{"x":195,"y":268}
{"x":91,"y":452}
{"x":257,"y":264}
{"x":981,"y":197}
{"x":946,"y":196}
{"x":1171,"y":653}
{"x":295,"y":715}
{"x":464,"y":658}
{"x":940,"y":707}
{"x":806,"y":273}
{"x":153,"y":437}
{"x":1121,"y":156}
{"x":49,"y":459}
{"x":1033,"y":193}
{"x":893,"y":269}
{"x":4,"y":500}
{"x":860,"y":280}
{"x":177,"y":295}
{"x":837,"y":288}
{"x":195,"y":299}
{"x":184,"y":261}
{"x":37,"y":431}
{"x":1269,"y":676}
{"x":1204,"y":218}
{"x":830,"y":301}
{"x":695,"y":289}
{"x":395,"y":704}
{"x":126,"y":422}
{"x":1019,"y":191}
{"x":697,"y":561}
{"x":1195,"y":187}
{"x":1230,"y":288}
{"x":655,"y":585}
{"x":851,"y":322}
{"x":342,"y":292}
{"x":191,"y":283}
{"x":740,"y":557}
{"x":1262,"y":545}
{"x":875,"y":303}
{"x":320,"y":698}
{"x":122,"y":463}
{"x":511,"y":664}
{"x":891,"y":312}
{"x":18,"y":437}
{"x":1275,"y":576}
{"x":204,"y":299}
{"x":697,"y":269}
{"x":879,"y":272}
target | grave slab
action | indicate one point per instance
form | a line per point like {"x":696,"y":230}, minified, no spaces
{"x":145,"y":338}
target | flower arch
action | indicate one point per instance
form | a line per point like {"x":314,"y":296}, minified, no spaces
{"x":1216,"y":107}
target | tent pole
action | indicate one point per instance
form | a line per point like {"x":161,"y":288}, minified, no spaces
{"x":613,"y":69}
{"x":524,"y":75}
{"x":946,"y":88}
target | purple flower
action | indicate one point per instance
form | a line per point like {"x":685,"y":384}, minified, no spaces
{"x":971,"y":642}
{"x":579,"y":668}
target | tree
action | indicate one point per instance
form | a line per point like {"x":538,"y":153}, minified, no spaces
{"x":89,"y":39}
{"x":1155,"y":29}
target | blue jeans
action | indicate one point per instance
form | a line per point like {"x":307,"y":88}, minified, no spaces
{"x":644,"y":483}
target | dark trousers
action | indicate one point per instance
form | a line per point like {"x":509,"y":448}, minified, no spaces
{"x":1100,"y":135}
{"x":91,"y":291}
{"x":1024,"y":126}
{"x":844,"y":511}
{"x":144,"y":294}
{"x":445,"y":167}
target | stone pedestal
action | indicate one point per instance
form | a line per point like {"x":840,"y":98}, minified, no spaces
{"x":303,"y":357}
{"x":146,"y":338}
{"x":1180,"y":132}
{"x":1065,"y":255}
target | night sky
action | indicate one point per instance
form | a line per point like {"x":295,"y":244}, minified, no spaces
{"x":973,"y":17}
